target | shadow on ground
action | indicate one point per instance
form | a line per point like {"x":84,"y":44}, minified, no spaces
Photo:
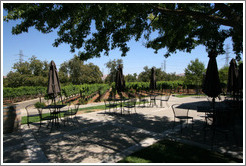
{"x":91,"y":140}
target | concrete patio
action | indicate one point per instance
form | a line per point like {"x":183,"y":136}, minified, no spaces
{"x":106,"y":138}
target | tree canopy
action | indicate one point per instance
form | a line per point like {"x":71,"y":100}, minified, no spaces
{"x":77,"y":72}
{"x":180,"y":26}
{"x":35,"y":73}
{"x":194,"y":73}
{"x":28,"y":73}
{"x":112,"y":66}
{"x":144,"y":76}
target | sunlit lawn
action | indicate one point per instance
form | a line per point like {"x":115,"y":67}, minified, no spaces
{"x":190,"y":95}
{"x":166,"y":151}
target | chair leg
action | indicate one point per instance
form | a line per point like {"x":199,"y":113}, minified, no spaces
{"x":52,"y":123}
{"x":28,"y":123}
{"x":72,"y":120}
{"x":75,"y":117}
{"x":64,"y":121}
{"x":192,"y":124}
{"x":39,"y":125}
{"x":181,"y":127}
{"x":173,"y":122}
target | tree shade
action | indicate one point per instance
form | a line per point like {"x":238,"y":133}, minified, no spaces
{"x":180,"y":26}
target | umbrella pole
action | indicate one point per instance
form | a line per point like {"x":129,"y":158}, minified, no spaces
{"x":214,"y":113}
{"x":213,"y":103}
{"x":54,"y":99}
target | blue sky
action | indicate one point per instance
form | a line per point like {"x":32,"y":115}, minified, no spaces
{"x":40,"y":45}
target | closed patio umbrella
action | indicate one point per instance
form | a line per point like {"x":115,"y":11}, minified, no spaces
{"x":120,"y":83}
{"x":119,"y":80}
{"x":152,"y":79}
{"x":211,"y":84}
{"x":232,"y":83}
{"x":54,"y":87}
{"x":240,"y":77}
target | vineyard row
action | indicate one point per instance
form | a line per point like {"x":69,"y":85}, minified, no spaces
{"x":68,"y":91}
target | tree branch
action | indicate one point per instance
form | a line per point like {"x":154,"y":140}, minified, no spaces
{"x":196,"y":15}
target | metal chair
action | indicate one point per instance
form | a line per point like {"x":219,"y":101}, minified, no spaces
{"x":71,"y":113}
{"x":181,"y":114}
{"x":208,"y":113}
{"x":207,"y":110}
{"x":109,"y":105}
{"x":153,"y":100}
{"x":131,"y":104}
{"x":165,"y":98}
{"x":28,"y":111}
{"x":142,"y":100}
{"x":40,"y":114}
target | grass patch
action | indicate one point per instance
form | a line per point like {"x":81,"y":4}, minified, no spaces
{"x":166,"y":151}
{"x":183,"y":95}
{"x":81,"y":110}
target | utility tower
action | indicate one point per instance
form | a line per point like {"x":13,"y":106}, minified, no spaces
{"x":227,"y":58}
{"x":20,"y":56}
{"x":163,"y":66}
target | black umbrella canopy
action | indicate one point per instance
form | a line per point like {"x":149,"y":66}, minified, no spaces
{"x":119,"y":80}
{"x":232,"y":83}
{"x":240,"y":77}
{"x":211,"y":83}
{"x":54,"y":87}
{"x":152,"y":79}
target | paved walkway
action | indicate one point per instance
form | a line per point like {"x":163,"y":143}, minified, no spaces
{"x":106,"y":138}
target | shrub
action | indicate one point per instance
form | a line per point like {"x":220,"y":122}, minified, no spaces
{"x":39,"y":105}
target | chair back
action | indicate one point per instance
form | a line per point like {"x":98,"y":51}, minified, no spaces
{"x":110,"y":102}
{"x":158,"y":97}
{"x":152,"y":97}
{"x":133,"y":102}
{"x":177,"y":111}
{"x":28,"y":107}
{"x":61,"y":98}
{"x":105,"y":102}
{"x":166,"y":97}
{"x":75,"y":109}
{"x":139,"y":96}
{"x":32,"y":106}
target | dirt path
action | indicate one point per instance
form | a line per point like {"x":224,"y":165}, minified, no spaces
{"x":106,"y":95}
{"x":93,"y":99}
